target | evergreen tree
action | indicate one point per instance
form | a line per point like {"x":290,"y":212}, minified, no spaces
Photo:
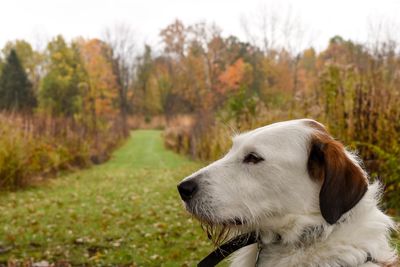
{"x":16,"y":92}
{"x":32,"y":61}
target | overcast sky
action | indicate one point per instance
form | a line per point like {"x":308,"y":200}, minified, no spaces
{"x":39,"y":20}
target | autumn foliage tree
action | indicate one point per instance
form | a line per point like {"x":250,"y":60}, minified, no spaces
{"x":101,"y":88}
{"x":60,"y":92}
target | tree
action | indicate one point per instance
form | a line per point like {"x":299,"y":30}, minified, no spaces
{"x":194,"y":58}
{"x":143,"y":74}
{"x":274,"y":28}
{"x":121,"y":41}
{"x":60,"y":89}
{"x":16,"y":92}
{"x":31,"y":60}
{"x":102,"y":88}
{"x":207,"y":59}
{"x":175,"y":38}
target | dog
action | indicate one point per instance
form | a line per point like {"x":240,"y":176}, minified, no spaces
{"x":306,"y":196}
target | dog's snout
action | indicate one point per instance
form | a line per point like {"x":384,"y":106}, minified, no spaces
{"x":187,"y":189}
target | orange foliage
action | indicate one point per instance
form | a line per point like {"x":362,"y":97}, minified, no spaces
{"x":103,"y":88}
{"x":232,"y":77}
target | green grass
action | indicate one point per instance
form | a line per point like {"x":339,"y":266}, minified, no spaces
{"x":124,"y":212}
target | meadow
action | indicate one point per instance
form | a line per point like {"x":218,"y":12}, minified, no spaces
{"x":126,"y":212}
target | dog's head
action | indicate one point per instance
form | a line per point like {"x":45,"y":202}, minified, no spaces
{"x":292,"y":167}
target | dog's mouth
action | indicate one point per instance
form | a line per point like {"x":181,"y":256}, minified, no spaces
{"x":208,"y":218}
{"x":219,"y":231}
{"x":224,"y":223}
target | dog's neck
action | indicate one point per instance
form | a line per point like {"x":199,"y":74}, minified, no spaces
{"x":295,"y":230}
{"x":309,"y":235}
{"x":288,"y":233}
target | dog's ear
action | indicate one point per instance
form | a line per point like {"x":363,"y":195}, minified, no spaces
{"x":343,"y":181}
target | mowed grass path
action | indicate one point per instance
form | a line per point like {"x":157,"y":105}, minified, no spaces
{"x":124,"y":212}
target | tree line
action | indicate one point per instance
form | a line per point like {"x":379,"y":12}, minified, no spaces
{"x":221,"y":82}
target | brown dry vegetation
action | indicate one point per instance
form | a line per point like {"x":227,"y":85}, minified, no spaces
{"x":34,"y":147}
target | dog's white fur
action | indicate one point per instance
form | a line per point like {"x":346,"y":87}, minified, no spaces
{"x":278,"y":197}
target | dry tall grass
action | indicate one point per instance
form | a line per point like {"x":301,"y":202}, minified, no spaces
{"x":33,"y":147}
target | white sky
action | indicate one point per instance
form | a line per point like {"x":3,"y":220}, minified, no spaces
{"x":39,"y":20}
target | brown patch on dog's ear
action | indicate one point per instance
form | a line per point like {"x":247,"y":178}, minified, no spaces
{"x":343,"y":181}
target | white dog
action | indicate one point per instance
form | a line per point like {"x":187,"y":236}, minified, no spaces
{"x":307,"y":198}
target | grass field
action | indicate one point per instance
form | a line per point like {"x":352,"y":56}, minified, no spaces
{"x":124,"y":212}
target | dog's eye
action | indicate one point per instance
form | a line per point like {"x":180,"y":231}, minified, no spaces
{"x":252,"y":158}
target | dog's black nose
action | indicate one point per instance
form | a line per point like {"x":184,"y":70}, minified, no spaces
{"x":187,"y":189}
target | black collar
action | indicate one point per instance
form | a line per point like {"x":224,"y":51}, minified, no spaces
{"x":228,"y":248}
{"x":237,"y":243}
